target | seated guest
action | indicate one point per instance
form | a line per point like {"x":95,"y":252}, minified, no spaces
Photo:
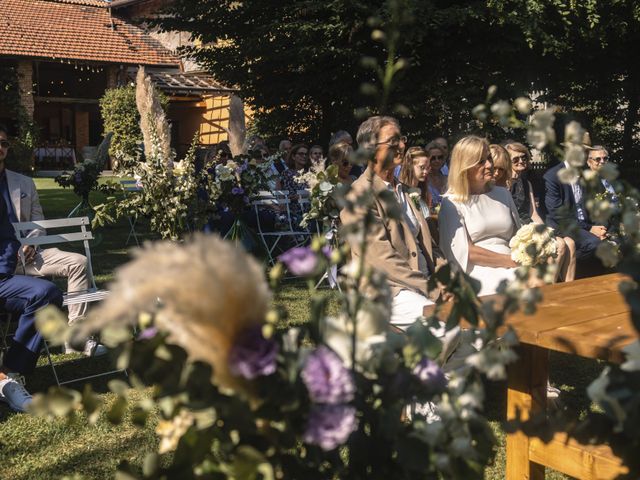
{"x":23,"y":297}
{"x":444,"y":147}
{"x":315,"y":153}
{"x":522,"y":194}
{"x":477,"y":220}
{"x":284,"y":147}
{"x":339,"y":156}
{"x":414,"y":173}
{"x":501,"y":166}
{"x":597,"y":157}
{"x":564,"y":205}
{"x":402,"y":249}
{"x":23,"y":205}
{"x":437,"y":180}
{"x":341,"y":136}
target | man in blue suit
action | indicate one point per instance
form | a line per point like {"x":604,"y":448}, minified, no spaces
{"x":565,"y":205}
{"x":22,"y":296}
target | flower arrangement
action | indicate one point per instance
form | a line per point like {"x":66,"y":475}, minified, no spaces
{"x":171,"y":192}
{"x":533,"y":244}
{"x":237,"y":180}
{"x":322,"y":183}
{"x":85,"y":175}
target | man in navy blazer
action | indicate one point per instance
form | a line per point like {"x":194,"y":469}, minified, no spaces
{"x":564,"y":205}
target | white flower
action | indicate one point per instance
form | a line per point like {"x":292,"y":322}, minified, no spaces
{"x":523,"y":105}
{"x":608,"y":253}
{"x":574,"y":155}
{"x":223,"y":173}
{"x":532,"y":245}
{"x":568,"y":175}
{"x":609,"y":171}
{"x":574,"y":133}
{"x":179,"y":168}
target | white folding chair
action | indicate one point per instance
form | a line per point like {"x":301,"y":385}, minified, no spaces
{"x":76,"y":230}
{"x":280,"y":202}
{"x":129,"y":187}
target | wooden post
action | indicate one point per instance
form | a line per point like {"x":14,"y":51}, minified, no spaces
{"x":526,"y":395}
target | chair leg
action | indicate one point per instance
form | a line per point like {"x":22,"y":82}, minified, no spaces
{"x":51,"y":364}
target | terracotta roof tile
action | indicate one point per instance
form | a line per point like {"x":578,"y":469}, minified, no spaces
{"x":76,"y":30}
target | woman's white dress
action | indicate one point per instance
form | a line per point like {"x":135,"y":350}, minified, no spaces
{"x":489,"y":220}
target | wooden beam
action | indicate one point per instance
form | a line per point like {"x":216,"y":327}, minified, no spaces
{"x":526,"y":396}
{"x":576,"y":460}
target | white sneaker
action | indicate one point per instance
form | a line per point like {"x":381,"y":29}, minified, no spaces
{"x":12,"y":392}
{"x":91,"y":349}
{"x":94,"y":349}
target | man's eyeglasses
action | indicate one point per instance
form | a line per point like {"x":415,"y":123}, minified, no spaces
{"x":393,"y":142}
{"x":520,"y":159}
{"x":436,"y":157}
{"x":4,"y":144}
{"x":604,"y":159}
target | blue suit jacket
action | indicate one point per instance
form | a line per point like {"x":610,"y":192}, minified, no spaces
{"x":560,"y":202}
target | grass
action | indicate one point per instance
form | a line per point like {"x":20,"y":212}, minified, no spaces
{"x":37,"y":448}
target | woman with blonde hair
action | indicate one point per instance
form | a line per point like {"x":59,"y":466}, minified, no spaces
{"x":501,"y":165}
{"x":414,"y":174}
{"x":477,"y":219}
{"x":522,"y":194}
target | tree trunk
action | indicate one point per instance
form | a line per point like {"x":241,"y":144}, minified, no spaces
{"x":237,"y":129}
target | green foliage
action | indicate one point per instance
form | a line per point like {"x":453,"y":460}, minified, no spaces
{"x":20,"y":156}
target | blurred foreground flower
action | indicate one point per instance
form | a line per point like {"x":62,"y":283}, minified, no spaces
{"x":326,"y":378}
{"x":329,"y":426}
{"x":301,"y":261}
{"x":253,"y":355}
{"x":430,"y":374}
{"x":205,"y":293}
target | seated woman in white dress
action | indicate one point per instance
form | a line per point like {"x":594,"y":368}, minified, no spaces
{"x":477,"y":219}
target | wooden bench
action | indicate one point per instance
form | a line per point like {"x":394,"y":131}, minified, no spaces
{"x":589,"y":318}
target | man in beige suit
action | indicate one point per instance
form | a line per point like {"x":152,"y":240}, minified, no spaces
{"x":23,"y":205}
{"x":400,"y":247}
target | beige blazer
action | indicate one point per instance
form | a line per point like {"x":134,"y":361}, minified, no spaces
{"x":24,"y":198}
{"x":391,"y":246}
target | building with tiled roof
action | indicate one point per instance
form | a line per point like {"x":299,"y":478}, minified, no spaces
{"x":68,"y":52}
{"x":76,"y":30}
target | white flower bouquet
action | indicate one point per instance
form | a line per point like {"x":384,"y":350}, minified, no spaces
{"x":533,"y":244}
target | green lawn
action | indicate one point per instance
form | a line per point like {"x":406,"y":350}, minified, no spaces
{"x":36,"y":448}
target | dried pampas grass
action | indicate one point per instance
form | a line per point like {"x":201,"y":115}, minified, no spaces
{"x":156,"y":131}
{"x":204,"y":293}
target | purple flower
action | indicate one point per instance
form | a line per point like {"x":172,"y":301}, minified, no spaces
{"x":326,"y":378}
{"x":237,"y":190}
{"x":430,"y":374}
{"x":253,"y":355}
{"x":329,"y":426}
{"x":301,"y":261}
{"x":326,"y":250}
{"x":78,"y":177}
{"x":148,"y":333}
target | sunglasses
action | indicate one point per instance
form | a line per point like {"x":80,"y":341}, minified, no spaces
{"x":520,"y":159}
{"x":4,"y":144}
{"x":345,"y":163}
{"x":595,"y":159}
